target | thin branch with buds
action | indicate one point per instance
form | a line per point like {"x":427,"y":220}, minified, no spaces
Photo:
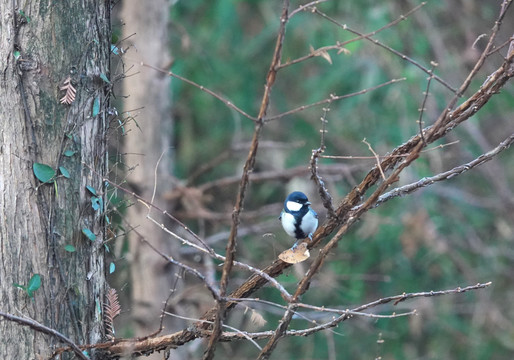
{"x":323,"y":191}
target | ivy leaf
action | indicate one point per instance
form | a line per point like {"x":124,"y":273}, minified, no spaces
{"x":112,"y":267}
{"x":22,"y":13}
{"x":89,"y":234}
{"x":115,"y":50}
{"x":104,"y":78}
{"x":92,"y":190}
{"x":96,"y":106}
{"x":34,"y":284}
{"x":96,"y":203}
{"x":64,"y":172}
{"x":70,"y":248}
{"x":69,"y":153}
{"x":20,"y":286}
{"x":43,"y":172}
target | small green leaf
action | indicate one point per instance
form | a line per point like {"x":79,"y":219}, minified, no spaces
{"x":92,"y":190}
{"x":104,"y":78}
{"x":90,"y":235}
{"x":69,"y":153}
{"x":43,"y":172}
{"x":112,"y":267}
{"x":115,"y":50}
{"x":95,"y":203}
{"x":17,"y":54}
{"x":96,"y":106}
{"x":70,"y":248}
{"x":107,"y":220}
{"x":20,"y":286}
{"x":34,"y":284}
{"x":64,"y":172}
{"x":22,"y":13}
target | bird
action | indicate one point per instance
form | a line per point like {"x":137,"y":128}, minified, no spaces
{"x":297,"y":217}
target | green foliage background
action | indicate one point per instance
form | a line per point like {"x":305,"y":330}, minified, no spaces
{"x":456,"y":233}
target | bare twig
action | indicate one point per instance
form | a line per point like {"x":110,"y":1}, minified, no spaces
{"x":425,"y":97}
{"x":323,"y":191}
{"x":330,"y":99}
{"x":377,"y":158}
{"x":33,"y":324}
{"x":305,"y":7}
{"x":243,"y":333}
{"x":203,"y":88}
{"x":215,"y":292}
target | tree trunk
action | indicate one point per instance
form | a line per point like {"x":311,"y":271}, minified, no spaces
{"x":41,"y":44}
{"x":145,"y":24}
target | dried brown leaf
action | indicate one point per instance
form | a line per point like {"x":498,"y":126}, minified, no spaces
{"x":295,"y":255}
{"x":69,"y":96}
{"x":112,"y":309}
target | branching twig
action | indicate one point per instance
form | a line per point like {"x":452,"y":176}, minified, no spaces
{"x":377,"y":158}
{"x":410,"y":188}
{"x":340,"y":45}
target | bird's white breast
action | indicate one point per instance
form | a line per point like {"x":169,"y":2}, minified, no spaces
{"x":309,"y":223}
{"x":288,"y":222}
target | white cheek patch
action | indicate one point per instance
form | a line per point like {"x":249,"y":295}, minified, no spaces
{"x":293,"y":206}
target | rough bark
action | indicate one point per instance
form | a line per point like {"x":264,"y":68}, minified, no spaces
{"x":41,"y":44}
{"x":146,"y":27}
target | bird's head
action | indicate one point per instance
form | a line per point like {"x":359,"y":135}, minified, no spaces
{"x":295,"y":201}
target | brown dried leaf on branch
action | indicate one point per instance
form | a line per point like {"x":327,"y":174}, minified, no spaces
{"x":320,"y":52}
{"x":112,"y":309}
{"x":69,"y":97}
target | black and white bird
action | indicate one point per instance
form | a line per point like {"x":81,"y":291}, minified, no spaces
{"x":297,"y":217}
